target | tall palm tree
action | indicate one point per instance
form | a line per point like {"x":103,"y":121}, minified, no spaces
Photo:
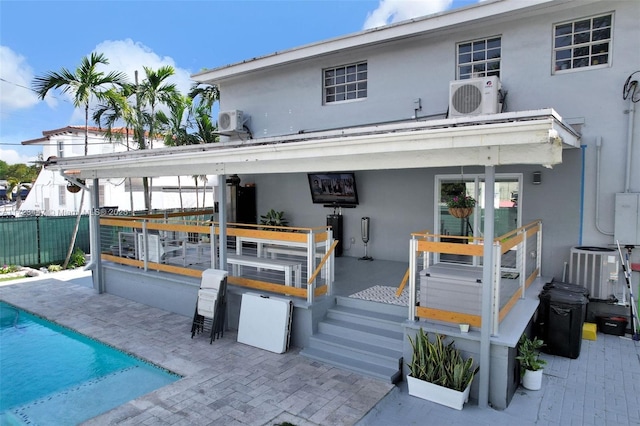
{"x":113,"y":110}
{"x":83,"y":85}
{"x":175,"y":129}
{"x":153,"y":92}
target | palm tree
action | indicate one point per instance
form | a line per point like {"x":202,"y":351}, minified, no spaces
{"x":113,"y":110}
{"x":153,"y":92}
{"x":175,"y":129}
{"x":206,"y":93}
{"x":206,"y":130}
{"x":83,"y":84}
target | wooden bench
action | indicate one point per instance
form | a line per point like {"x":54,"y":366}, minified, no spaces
{"x":274,"y":250}
{"x":289,"y":267}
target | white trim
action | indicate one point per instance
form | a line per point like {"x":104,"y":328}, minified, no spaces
{"x":532,"y":137}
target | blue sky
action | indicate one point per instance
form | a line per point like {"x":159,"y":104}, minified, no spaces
{"x":41,"y":36}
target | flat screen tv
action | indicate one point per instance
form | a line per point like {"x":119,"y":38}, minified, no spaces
{"x":335,"y":189}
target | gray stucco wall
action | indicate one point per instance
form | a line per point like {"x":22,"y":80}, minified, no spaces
{"x":400,"y":202}
{"x":289,"y":100}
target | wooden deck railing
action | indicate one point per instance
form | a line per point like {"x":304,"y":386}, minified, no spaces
{"x":203,"y":236}
{"x":525,"y":241}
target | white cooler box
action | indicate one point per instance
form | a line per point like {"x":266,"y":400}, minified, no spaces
{"x":265,"y":322}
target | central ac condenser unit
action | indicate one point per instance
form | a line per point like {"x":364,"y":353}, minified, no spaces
{"x":474,"y":96}
{"x":596,"y":269}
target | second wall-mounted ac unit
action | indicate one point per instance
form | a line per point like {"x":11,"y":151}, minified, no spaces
{"x":474,"y":96}
{"x":230,"y":121}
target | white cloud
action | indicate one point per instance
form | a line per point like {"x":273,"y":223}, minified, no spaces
{"x":15,"y":83}
{"x":391,"y":11}
{"x":128,"y":57}
{"x":11,"y":156}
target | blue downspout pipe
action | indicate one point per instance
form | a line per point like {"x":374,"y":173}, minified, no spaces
{"x":583,"y":149}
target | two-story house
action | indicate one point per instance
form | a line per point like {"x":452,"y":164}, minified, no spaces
{"x":534,"y":99}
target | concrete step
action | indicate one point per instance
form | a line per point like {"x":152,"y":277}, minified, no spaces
{"x":365,"y":317}
{"x":369,"y":305}
{"x":360,"y":332}
{"x":359,"y":350}
{"x":392,"y":375}
{"x":361,"y":336}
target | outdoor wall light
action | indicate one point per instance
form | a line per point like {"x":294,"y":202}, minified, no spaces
{"x":537,"y":178}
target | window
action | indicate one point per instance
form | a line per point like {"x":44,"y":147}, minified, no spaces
{"x":101,"y":195}
{"x":479,"y":58}
{"x":62,"y":195}
{"x":345,"y":83}
{"x":583,"y":43}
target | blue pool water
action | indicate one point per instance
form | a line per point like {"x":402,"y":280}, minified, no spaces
{"x":52,"y":375}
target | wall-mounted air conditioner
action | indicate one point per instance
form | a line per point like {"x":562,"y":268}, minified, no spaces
{"x":474,"y":96}
{"x":230,"y":121}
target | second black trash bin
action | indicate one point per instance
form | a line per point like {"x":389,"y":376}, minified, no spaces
{"x":560,"y":321}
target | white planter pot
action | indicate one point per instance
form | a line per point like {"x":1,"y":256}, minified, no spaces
{"x":532,"y":380}
{"x":441,"y":395}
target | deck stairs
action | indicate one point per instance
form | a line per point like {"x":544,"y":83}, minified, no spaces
{"x":361,"y":336}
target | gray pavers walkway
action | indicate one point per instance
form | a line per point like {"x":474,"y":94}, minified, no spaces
{"x":229,"y":383}
{"x":226,"y":383}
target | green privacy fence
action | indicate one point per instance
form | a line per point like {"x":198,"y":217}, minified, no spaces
{"x":40,"y":240}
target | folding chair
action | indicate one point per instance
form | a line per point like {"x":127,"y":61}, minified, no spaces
{"x":211,"y":305}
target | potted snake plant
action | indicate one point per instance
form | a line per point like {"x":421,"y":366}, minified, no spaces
{"x":438,"y":372}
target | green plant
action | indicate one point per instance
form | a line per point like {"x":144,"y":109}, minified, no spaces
{"x":274,"y":218}
{"x":78,"y":258}
{"x":54,"y":268}
{"x":529,"y":354}
{"x":7,"y":269}
{"x":461,"y":201}
{"x":440,"y":363}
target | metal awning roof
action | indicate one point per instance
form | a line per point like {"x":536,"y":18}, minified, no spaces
{"x":526,"y":137}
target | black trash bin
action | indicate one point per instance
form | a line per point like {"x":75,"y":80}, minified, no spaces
{"x":560,"y":321}
{"x":561,"y":285}
{"x":572,"y":288}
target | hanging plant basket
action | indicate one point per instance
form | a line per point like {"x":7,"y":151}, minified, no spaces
{"x":460,"y":212}
{"x":73,"y":188}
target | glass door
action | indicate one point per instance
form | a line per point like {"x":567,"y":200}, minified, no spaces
{"x":457,"y":227}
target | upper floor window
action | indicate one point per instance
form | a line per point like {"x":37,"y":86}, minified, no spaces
{"x":479,"y":58}
{"x":583,"y":43}
{"x":345,"y":83}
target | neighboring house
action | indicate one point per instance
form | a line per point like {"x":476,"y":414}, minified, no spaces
{"x":49,"y":195}
{"x":536,"y":96}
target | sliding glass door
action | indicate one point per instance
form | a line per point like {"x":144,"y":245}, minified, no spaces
{"x":461,"y":230}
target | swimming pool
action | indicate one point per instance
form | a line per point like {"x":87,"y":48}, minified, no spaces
{"x":52,"y":375}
